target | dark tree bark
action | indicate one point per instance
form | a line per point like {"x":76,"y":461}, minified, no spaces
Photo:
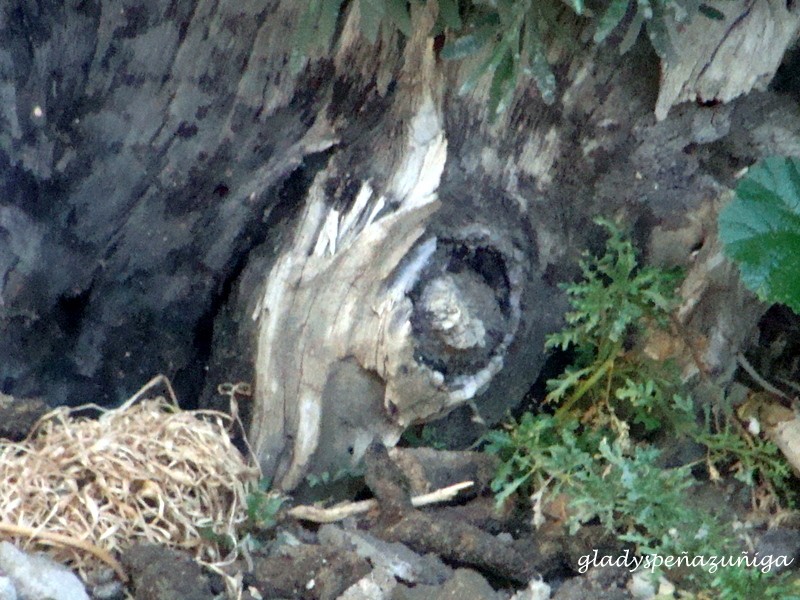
{"x":369,"y":249}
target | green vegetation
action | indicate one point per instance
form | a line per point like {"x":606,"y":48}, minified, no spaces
{"x":594,"y":448}
{"x":760,"y":229}
{"x":512,"y":36}
{"x":263,"y":506}
{"x":615,"y":299}
{"x":263,"y":514}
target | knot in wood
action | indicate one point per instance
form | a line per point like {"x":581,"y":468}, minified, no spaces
{"x":448,"y":310}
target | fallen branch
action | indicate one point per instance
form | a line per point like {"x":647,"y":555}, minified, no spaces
{"x":316,"y":514}
{"x":743,"y":362}
{"x":59,"y":539}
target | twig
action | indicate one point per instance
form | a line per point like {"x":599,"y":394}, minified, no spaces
{"x":316,"y":514}
{"x":743,"y":362}
{"x":162,"y":379}
{"x":65,"y":540}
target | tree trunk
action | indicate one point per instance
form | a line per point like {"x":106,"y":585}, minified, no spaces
{"x":369,"y":249}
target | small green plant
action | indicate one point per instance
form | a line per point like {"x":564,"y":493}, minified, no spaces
{"x":613,"y":302}
{"x":736,"y":583}
{"x":608,"y":386}
{"x":514,"y":35}
{"x":539,"y":453}
{"x":587,"y":451}
{"x":327,"y":477}
{"x":760,"y":230}
{"x":423,"y":436}
{"x":751,"y":459}
{"x":263,"y":506}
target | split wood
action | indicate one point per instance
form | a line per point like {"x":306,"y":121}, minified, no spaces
{"x":316,"y":514}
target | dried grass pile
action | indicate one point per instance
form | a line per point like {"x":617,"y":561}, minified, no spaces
{"x":146,"y":471}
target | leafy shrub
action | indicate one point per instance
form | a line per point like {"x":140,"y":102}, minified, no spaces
{"x":512,"y":33}
{"x":586,"y":453}
{"x":610,"y":305}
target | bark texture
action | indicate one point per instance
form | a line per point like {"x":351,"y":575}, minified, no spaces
{"x":366,"y":246}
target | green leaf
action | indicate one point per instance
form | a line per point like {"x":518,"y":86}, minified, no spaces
{"x":448,"y":12}
{"x":634,"y":29}
{"x":761,"y":230}
{"x":539,"y":67}
{"x":397,"y":11}
{"x":504,"y":82}
{"x":488,"y":65}
{"x":372,"y":13}
{"x":467,"y":45}
{"x":326,"y":25}
{"x":610,"y":19}
{"x":657,"y":32}
{"x":577,"y":6}
{"x":711,"y":12}
{"x":507,"y":9}
{"x":304,"y":35}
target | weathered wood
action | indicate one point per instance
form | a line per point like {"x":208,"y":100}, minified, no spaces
{"x":719,"y":60}
{"x":369,"y":248}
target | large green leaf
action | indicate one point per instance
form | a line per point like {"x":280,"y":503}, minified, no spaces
{"x":761,"y":230}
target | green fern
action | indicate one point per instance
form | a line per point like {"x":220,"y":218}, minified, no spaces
{"x":511,"y":35}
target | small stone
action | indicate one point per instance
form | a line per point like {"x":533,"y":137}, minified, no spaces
{"x":36,"y":576}
{"x":780,"y":542}
{"x":536,"y":590}
{"x":7,"y":589}
{"x":111,"y":590}
{"x":160,"y":573}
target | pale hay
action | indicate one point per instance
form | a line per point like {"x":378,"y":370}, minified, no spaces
{"x":145,"y":471}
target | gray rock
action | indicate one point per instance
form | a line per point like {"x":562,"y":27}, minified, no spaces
{"x":38,"y":577}
{"x":160,"y":573}
{"x":465,"y":584}
{"x":378,"y":585}
{"x":600,"y":583}
{"x":7,"y":589}
{"x":781,"y":542}
{"x":536,"y":590}
{"x":394,"y":558}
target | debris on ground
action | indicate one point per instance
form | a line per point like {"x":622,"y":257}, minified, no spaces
{"x":85,"y":489}
{"x":29,"y":576}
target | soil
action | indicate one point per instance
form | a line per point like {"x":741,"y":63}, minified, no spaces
{"x":466,"y":549}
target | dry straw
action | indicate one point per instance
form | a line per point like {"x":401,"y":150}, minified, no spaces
{"x":86,"y":489}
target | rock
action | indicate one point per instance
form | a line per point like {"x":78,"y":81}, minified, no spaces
{"x":104,"y":585}
{"x":159,"y":573}
{"x":601,"y":583}
{"x":536,"y":590}
{"x":19,"y":415}
{"x":394,"y":558}
{"x":465,"y":584}
{"x":378,"y":585}
{"x":7,"y":589}
{"x":780,"y":542}
{"x":308,"y":571}
{"x":37,"y":576}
